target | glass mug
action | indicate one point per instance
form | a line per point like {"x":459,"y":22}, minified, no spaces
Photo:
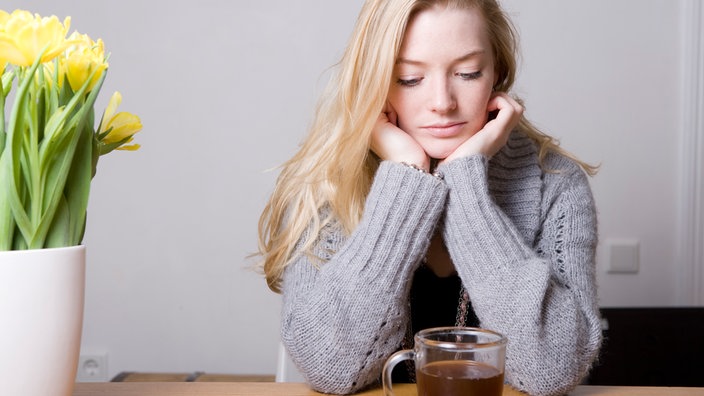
{"x":454,"y":361}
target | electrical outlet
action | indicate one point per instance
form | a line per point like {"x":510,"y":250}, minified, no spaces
{"x":624,"y":256}
{"x":92,"y":368}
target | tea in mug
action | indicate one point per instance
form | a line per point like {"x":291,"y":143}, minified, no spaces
{"x":459,"y":378}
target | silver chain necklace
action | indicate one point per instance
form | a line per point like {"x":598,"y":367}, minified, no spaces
{"x":462,"y":305}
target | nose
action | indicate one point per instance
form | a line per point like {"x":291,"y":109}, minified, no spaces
{"x":442,"y":99}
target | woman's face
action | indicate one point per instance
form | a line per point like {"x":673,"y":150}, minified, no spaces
{"x":443,"y":79}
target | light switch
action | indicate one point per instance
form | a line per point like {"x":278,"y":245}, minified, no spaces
{"x":623,"y":256}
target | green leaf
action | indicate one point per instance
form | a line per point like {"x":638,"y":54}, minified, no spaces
{"x":106,"y":148}
{"x":77,"y":188}
{"x":7,"y":221}
{"x":3,"y":134}
{"x":13,"y":157}
{"x":58,"y":235}
{"x":54,"y":133}
{"x":7,"y":78}
{"x":57,"y":173}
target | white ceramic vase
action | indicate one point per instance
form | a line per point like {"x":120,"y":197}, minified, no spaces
{"x":41,"y":319}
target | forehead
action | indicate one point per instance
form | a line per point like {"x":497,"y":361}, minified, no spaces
{"x":445,"y":30}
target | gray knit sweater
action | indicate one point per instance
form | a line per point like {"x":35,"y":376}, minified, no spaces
{"x":522,"y":241}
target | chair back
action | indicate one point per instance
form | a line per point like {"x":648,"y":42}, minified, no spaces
{"x":286,"y":371}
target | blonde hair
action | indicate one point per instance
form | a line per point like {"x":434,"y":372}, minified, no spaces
{"x":333,"y":168}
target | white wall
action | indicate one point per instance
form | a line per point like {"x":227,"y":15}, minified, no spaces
{"x":604,"y":77}
{"x":225,"y":90}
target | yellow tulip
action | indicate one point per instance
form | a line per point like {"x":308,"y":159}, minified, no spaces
{"x":23,"y":37}
{"x":83,"y":58}
{"x":129,"y":147}
{"x":120,"y":127}
{"x":4,"y":16}
{"x":50,"y":128}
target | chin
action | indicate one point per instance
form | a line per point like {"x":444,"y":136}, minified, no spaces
{"x":440,"y":152}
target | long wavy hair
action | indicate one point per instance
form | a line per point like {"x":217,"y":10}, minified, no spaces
{"x":333,"y":169}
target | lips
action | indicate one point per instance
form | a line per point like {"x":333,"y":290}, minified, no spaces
{"x":444,"y":130}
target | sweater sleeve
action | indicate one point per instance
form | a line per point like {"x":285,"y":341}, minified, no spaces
{"x":342,"y":319}
{"x":541,"y":296}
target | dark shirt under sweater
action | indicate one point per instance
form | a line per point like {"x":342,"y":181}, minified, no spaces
{"x":434,"y":303}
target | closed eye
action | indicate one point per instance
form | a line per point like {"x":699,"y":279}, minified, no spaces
{"x":470,"y":76}
{"x":408,"y":82}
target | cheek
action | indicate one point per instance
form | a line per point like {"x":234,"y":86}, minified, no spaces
{"x":404,"y":107}
{"x":395,"y":97}
{"x":476,"y":106}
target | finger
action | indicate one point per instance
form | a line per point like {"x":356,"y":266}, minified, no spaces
{"x":501,"y":100}
{"x":391,"y":113}
{"x":508,"y":110}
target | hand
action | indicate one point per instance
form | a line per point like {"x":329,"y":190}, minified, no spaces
{"x":389,"y":142}
{"x":490,"y":139}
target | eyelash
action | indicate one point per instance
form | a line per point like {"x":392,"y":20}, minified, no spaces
{"x":470,"y":76}
{"x":412,"y":82}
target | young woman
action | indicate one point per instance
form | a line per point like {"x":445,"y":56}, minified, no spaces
{"x":422,"y":197}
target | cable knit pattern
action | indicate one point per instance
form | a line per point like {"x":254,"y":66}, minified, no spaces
{"x":523,"y":243}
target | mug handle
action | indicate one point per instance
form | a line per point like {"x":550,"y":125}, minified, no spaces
{"x":391,"y":362}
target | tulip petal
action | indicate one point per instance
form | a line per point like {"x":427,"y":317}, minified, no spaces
{"x":129,"y":147}
{"x":124,"y":121}
{"x":111,"y":108}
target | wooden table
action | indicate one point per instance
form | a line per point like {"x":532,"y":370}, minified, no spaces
{"x":297,"y":389}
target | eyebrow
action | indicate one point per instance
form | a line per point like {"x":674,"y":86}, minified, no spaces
{"x":462,"y":58}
